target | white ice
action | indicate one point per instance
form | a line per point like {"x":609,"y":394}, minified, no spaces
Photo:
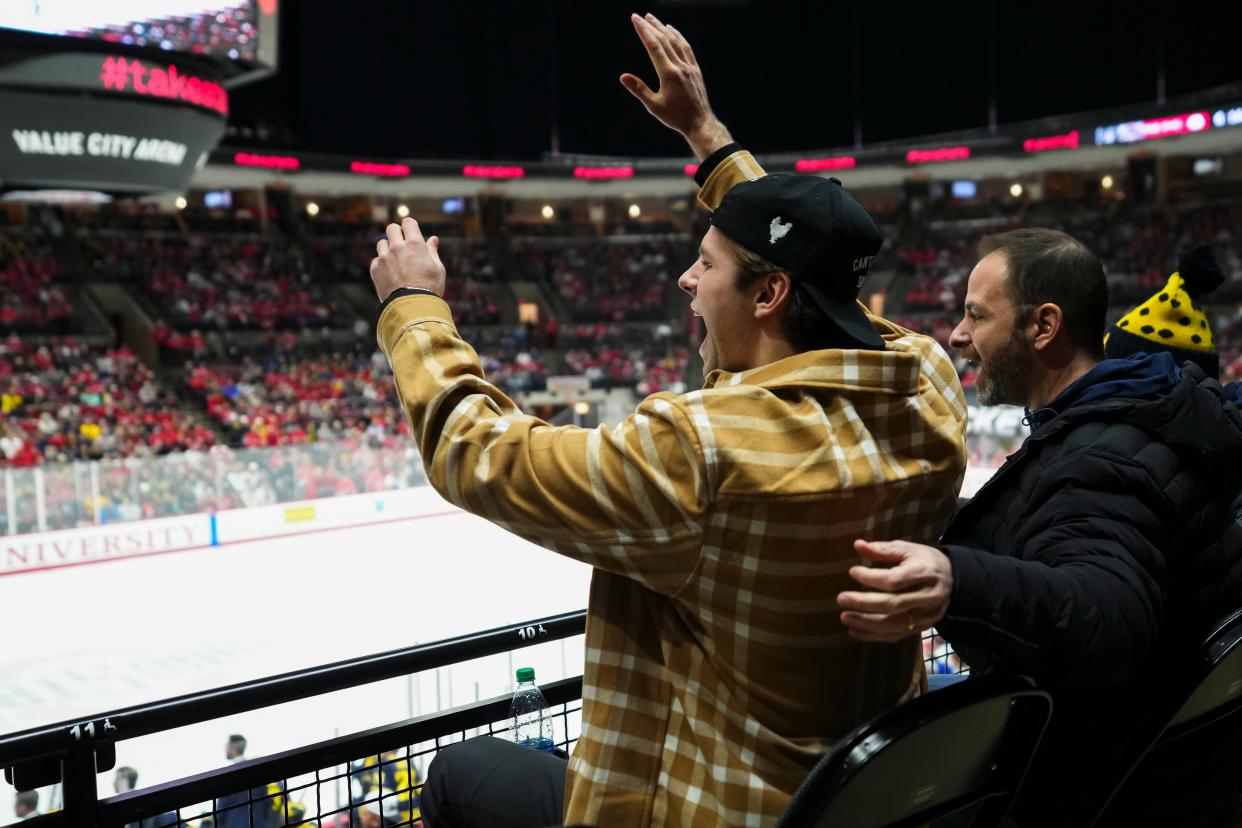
{"x":91,"y":639}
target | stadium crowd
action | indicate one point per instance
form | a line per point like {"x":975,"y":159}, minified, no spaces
{"x":347,"y":250}
{"x":204,"y":281}
{"x":645,"y":367}
{"x":31,"y":301}
{"x":207,"y":284}
{"x":609,"y":281}
{"x":1137,"y":246}
{"x":69,"y":401}
{"x":283,"y":400}
{"x":66,"y":401}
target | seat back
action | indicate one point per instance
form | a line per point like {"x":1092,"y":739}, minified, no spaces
{"x":1210,"y":691}
{"x":968,"y":743}
{"x":1218,"y":688}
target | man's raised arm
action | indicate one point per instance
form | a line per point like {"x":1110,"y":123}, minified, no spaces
{"x":681,"y":104}
{"x":628,"y":499}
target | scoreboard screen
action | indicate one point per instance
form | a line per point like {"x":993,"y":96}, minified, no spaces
{"x":123,"y":96}
{"x":230,"y":30}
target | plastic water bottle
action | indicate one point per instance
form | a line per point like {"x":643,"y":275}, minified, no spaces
{"x":529,"y":723}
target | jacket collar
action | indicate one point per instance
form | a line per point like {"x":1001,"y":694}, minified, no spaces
{"x":1138,"y":377}
{"x":894,"y":370}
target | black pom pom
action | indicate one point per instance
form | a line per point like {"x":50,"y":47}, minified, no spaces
{"x":1200,"y":270}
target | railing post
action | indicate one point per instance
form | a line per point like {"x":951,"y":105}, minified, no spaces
{"x":81,"y":795}
{"x":10,"y":500}
{"x":40,"y":488}
{"x":79,"y":497}
{"x":95,"y":504}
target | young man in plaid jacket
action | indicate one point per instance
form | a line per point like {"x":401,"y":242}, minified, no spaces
{"x":721,"y":523}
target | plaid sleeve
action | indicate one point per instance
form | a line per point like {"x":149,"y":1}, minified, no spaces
{"x":628,"y":499}
{"x":737,"y":167}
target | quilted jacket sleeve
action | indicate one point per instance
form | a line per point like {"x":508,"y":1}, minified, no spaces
{"x":1080,"y":599}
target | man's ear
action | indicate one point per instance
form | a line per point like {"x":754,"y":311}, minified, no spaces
{"x":772,"y":293}
{"x":1047,"y":322}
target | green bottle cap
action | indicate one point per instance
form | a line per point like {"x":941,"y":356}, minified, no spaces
{"x":525,"y":674}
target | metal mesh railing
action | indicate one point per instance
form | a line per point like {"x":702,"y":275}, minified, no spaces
{"x":383,"y":786}
{"x":373,"y":778}
{"x":939,"y":657}
{"x":72,"y":754}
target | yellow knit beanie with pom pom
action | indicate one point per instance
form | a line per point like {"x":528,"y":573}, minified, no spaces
{"x":1173,"y":320}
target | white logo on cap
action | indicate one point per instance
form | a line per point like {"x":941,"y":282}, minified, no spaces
{"x":779,"y":231}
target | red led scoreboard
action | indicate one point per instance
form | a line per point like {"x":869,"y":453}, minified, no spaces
{"x":123,"y":96}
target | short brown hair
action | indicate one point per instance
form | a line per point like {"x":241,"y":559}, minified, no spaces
{"x":804,"y":324}
{"x":1048,"y":266}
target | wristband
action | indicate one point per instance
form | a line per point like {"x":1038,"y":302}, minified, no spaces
{"x":407,"y":291}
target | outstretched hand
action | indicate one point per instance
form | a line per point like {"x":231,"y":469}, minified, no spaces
{"x":680,"y":103}
{"x":908,"y":591}
{"x":405,"y":259}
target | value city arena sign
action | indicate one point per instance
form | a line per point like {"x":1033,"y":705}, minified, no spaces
{"x":113,"y":145}
{"x":99,"y":144}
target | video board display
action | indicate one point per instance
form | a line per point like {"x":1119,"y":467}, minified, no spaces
{"x":224,"y":29}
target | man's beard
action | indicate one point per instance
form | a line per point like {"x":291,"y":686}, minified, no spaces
{"x":1003,"y":380}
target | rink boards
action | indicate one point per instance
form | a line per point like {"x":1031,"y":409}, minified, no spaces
{"x":110,"y":541}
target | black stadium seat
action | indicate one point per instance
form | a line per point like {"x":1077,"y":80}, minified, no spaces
{"x":1218,"y":691}
{"x":967,"y":744}
{"x":1210,"y":696}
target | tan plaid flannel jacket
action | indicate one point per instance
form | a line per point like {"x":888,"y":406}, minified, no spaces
{"x":720,"y":524}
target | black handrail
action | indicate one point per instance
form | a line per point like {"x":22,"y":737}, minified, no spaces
{"x":132,"y":806}
{"x":142,"y":720}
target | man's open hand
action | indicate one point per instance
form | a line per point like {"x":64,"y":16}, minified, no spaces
{"x":405,"y":259}
{"x":909,"y":592}
{"x":681,"y":101}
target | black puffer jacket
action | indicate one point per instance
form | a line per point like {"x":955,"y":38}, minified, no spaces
{"x":1094,"y":559}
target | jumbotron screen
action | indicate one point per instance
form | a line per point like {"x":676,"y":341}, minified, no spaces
{"x":224,"y":29}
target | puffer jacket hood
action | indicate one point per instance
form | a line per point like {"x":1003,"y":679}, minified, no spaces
{"x":1183,"y":407}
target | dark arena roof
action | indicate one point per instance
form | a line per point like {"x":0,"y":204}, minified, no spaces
{"x":516,"y":80}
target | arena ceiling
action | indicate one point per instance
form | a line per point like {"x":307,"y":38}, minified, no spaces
{"x":514,"y":80}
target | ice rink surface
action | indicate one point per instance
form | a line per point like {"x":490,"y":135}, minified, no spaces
{"x":90,"y":639}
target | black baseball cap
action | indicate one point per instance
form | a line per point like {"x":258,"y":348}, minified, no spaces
{"x":816,"y":232}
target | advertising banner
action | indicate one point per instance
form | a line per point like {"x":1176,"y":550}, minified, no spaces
{"x":260,"y":522}
{"x":107,"y":541}
{"x":144,"y":79}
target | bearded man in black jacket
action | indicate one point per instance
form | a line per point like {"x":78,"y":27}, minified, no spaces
{"x":1093,"y":560}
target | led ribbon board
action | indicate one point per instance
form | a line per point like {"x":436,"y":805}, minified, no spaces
{"x":1130,"y":132}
